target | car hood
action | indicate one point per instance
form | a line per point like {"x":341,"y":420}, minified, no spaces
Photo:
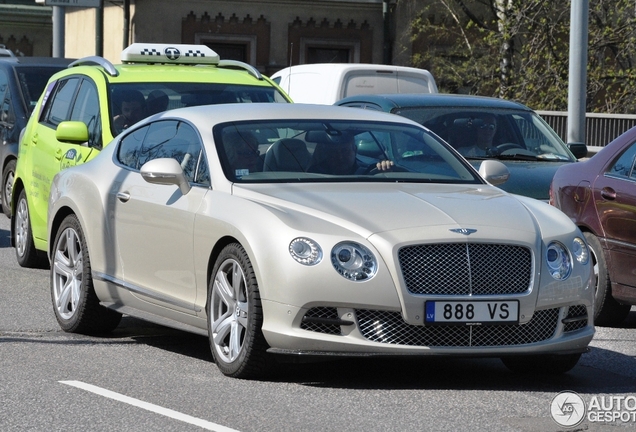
{"x":528,"y":178}
{"x":380,"y":207}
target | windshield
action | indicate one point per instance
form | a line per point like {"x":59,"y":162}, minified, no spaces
{"x":132,"y":102}
{"x":334,"y":150}
{"x":479,"y":133}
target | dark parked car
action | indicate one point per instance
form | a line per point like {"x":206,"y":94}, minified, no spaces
{"x":22,"y":81}
{"x":485,"y":128}
{"x":599,"y":195}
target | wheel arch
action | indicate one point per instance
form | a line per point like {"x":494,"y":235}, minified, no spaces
{"x":18,"y":186}
{"x":214,"y":254}
{"x":61,"y":214}
{"x":10,"y":157}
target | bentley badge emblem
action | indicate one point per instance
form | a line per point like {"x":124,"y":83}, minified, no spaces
{"x":465,"y":231}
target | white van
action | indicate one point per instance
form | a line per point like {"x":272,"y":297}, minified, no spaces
{"x":327,"y":83}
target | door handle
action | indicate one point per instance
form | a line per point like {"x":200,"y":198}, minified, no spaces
{"x":123,"y":196}
{"x":608,"y":193}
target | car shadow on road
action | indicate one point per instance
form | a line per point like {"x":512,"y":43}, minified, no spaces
{"x":600,"y":370}
{"x":618,"y":374}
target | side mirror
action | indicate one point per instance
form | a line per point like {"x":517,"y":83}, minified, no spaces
{"x":579,"y":150}
{"x":74,"y":132}
{"x":494,"y":172}
{"x":165,"y":171}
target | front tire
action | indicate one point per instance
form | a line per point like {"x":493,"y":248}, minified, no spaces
{"x":75,"y":303}
{"x":235,"y":316}
{"x":25,"y":251}
{"x":8,"y":174}
{"x":607,"y":311}
{"x":546,"y":364}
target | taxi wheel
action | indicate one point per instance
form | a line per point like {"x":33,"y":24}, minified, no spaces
{"x":235,"y":316}
{"x":8,"y":174}
{"x":25,"y":251}
{"x":607,"y":311}
{"x":75,"y":303}
{"x":548,"y":364}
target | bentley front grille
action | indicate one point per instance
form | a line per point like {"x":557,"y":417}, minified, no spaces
{"x":390,"y":328}
{"x":466,"y":269}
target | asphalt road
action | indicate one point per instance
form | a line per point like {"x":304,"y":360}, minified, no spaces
{"x":149,"y":378}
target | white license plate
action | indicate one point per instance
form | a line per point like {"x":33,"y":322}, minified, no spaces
{"x":471,"y":312}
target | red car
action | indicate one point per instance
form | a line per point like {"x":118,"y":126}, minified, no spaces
{"x":599,"y":195}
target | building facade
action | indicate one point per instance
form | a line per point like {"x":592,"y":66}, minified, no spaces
{"x":26,"y":28}
{"x":267,"y":34}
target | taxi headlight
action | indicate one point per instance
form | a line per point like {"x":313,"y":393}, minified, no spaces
{"x":558,"y":260}
{"x":580,"y":250}
{"x":305,"y":251}
{"x":354,"y":261}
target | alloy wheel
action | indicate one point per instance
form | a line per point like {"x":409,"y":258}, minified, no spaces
{"x":67,"y":270}
{"x":229,"y":310}
{"x":21,"y":227}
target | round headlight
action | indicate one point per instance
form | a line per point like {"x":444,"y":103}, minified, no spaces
{"x":353,"y":261}
{"x":580,"y":250}
{"x":558,"y":261}
{"x":305,"y":251}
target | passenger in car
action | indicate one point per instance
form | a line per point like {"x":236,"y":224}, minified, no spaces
{"x":242,"y":152}
{"x":157,"y":102}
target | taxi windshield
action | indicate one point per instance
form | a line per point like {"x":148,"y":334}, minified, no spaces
{"x":132,"y":102}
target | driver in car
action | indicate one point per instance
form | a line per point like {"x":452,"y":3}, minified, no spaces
{"x":339,"y":158}
{"x":486,"y":128}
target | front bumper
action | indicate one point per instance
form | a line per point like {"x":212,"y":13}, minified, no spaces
{"x":349,"y":331}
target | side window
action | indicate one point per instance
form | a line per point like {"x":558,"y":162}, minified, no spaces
{"x":624,"y":166}
{"x":4,"y":84}
{"x":176,"y":140}
{"x":59,"y":104}
{"x":166,"y":139}
{"x":130,"y":148}
{"x":7,"y":117}
{"x":203,"y":172}
{"x":86,"y":110}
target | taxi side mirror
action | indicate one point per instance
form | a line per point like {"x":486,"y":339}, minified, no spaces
{"x":74,"y":132}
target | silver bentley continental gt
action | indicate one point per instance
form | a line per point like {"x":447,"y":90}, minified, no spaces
{"x":299,"y":229}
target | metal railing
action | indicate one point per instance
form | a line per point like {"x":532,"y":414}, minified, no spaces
{"x":600,"y":129}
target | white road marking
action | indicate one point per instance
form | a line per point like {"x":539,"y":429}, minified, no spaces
{"x":148,"y":406}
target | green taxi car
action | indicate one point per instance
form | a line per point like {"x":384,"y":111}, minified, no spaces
{"x":86,"y":105}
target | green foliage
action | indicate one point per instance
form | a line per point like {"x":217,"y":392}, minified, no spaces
{"x":519,"y":49}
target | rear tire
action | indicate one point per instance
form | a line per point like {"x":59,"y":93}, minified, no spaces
{"x":75,"y":303}
{"x":8,"y":174}
{"x":235,"y":316}
{"x":607,"y":311}
{"x":25,"y":251}
{"x":546,"y":364}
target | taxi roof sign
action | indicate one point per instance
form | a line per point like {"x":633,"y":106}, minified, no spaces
{"x":169,"y":53}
